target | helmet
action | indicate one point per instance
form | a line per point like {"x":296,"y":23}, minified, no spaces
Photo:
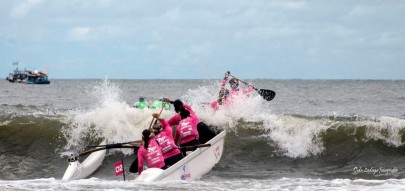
{"x":141,"y":98}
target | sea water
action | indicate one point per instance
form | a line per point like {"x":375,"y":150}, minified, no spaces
{"x":314,"y":135}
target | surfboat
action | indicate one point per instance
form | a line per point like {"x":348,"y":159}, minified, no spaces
{"x":193,"y":166}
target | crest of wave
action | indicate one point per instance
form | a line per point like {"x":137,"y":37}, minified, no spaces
{"x":295,"y":137}
{"x":110,"y":118}
{"x":300,"y":137}
{"x":387,"y":129}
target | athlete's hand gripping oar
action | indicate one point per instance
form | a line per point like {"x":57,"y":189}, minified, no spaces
{"x":153,"y":119}
{"x":266,"y":94}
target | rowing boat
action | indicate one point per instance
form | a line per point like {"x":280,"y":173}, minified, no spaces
{"x":192,"y":167}
{"x":78,"y":170}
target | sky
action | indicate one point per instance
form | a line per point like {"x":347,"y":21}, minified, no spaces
{"x":202,"y":39}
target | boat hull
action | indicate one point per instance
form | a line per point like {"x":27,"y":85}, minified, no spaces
{"x":192,"y":167}
{"x":77,"y":170}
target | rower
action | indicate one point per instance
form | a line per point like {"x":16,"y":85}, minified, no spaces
{"x":186,"y":132}
{"x":234,"y":91}
{"x":158,"y":104}
{"x":141,"y":103}
{"x":164,"y":138}
{"x":205,"y":132}
{"x":222,"y":100}
{"x":150,"y":153}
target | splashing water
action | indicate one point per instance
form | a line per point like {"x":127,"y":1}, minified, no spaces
{"x":111,"y":119}
{"x":295,"y":137}
{"x":293,"y":140}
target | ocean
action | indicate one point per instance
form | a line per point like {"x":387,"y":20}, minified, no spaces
{"x":314,"y":135}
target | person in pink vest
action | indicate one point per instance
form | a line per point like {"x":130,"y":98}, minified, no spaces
{"x":205,"y":132}
{"x":223,"y":100}
{"x":235,"y":91}
{"x":225,"y":96}
{"x":164,"y":138}
{"x":186,"y":132}
{"x":150,"y":153}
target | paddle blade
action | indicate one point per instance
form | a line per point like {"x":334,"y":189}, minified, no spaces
{"x":267,"y":94}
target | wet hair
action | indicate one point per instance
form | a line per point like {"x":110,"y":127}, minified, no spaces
{"x":234,"y":83}
{"x":156,"y":126}
{"x":145,"y":138}
{"x":177,"y":105}
{"x":223,"y":94}
{"x":184,"y":113}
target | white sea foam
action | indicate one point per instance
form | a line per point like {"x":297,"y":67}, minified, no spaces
{"x":387,"y":129}
{"x":209,"y":184}
{"x":110,"y":118}
{"x":295,"y":137}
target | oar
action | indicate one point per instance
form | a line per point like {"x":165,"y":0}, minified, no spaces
{"x":115,"y":144}
{"x":266,"y":94}
{"x":196,"y":146}
{"x":73,"y":158}
{"x":104,"y":148}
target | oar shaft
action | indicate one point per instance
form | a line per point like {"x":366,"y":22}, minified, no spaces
{"x":153,"y":119}
{"x":115,"y":144}
{"x":105,"y":148}
{"x":195,"y":146}
{"x":266,"y":94}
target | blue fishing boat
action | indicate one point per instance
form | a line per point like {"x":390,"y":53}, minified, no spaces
{"x":37,"y":78}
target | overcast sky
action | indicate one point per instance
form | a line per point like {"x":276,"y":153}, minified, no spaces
{"x":171,"y":39}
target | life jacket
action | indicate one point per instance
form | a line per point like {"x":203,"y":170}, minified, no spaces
{"x":158,"y":104}
{"x":142,"y":104}
{"x":154,"y":157}
{"x":168,"y":146}
{"x":188,"y":129}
